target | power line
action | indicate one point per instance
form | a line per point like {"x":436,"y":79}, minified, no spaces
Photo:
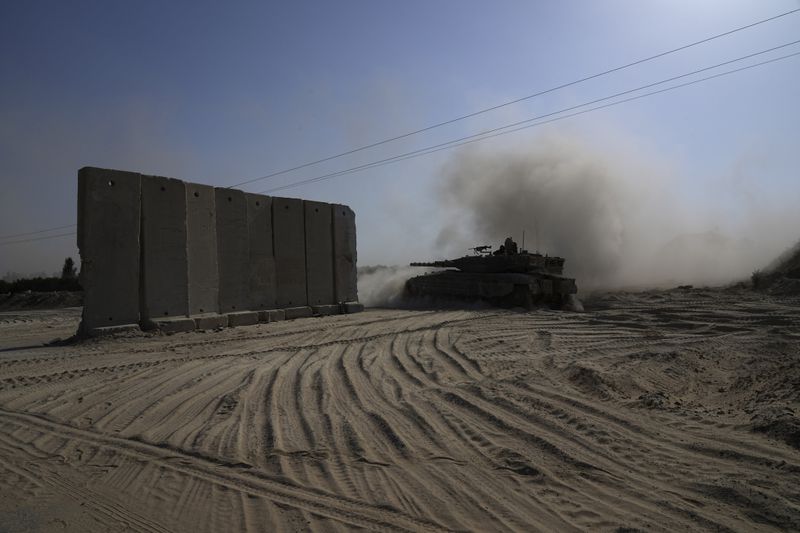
{"x":693,"y":82}
{"x":504,"y":130}
{"x":462,"y":117}
{"x":515,"y":101}
{"x":37,"y":232}
{"x":456,"y":143}
{"x":496,"y":132}
{"x":39,"y":238}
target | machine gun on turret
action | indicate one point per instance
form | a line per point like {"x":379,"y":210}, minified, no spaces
{"x":482,"y":250}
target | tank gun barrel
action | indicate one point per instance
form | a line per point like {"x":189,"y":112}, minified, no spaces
{"x":436,"y":264}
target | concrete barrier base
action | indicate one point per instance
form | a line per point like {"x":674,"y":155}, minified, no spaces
{"x":297,"y":312}
{"x":353,"y":307}
{"x":112,"y":330}
{"x":210,"y":321}
{"x":324,"y":310}
{"x":242,"y":318}
{"x":271,"y":315}
{"x":215,"y":321}
{"x":170,"y":325}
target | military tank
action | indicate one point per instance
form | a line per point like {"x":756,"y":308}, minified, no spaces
{"x":506,"y":277}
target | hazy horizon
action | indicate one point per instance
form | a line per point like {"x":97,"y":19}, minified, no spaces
{"x":697,"y":184}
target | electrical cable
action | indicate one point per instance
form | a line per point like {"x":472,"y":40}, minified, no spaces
{"x":488,"y":134}
{"x":39,"y":238}
{"x":510,"y":102}
{"x":36,"y":232}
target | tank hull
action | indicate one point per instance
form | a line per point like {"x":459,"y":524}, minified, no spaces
{"x":505,"y":289}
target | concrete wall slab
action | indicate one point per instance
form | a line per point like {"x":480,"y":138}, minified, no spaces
{"x":262,"y":258}
{"x":319,"y":253}
{"x":201,"y":249}
{"x":288,"y":233}
{"x":108,"y":238}
{"x":344,"y":254}
{"x":164,"y":260}
{"x":233,"y":250}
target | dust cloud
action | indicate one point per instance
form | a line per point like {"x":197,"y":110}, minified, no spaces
{"x":382,"y":286}
{"x":618,"y":221}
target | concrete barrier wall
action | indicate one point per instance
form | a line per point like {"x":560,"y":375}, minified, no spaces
{"x":201,"y":249}
{"x":109,"y":215}
{"x":164,"y":253}
{"x":288,"y":236}
{"x":233,"y":250}
{"x":344,"y":254}
{"x":319,"y":253}
{"x":261,"y":289}
{"x":165,"y":289}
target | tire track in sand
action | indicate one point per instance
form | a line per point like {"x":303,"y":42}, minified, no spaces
{"x":276,"y":490}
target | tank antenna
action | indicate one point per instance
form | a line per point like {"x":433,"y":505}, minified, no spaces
{"x":523,"y":240}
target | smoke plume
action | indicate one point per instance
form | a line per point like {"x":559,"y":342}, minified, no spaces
{"x":617,"y":221}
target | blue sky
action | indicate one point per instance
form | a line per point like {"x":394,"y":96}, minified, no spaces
{"x":220,"y":93}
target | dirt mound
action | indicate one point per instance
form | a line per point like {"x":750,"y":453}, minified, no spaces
{"x":40,"y":300}
{"x":782,"y":275}
{"x":788,"y":263}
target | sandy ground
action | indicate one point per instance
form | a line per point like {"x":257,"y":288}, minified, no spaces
{"x":661,"y":411}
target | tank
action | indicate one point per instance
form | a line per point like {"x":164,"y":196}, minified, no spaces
{"x":505,"y":278}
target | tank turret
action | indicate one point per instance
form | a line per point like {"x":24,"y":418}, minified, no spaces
{"x":505,"y":277}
